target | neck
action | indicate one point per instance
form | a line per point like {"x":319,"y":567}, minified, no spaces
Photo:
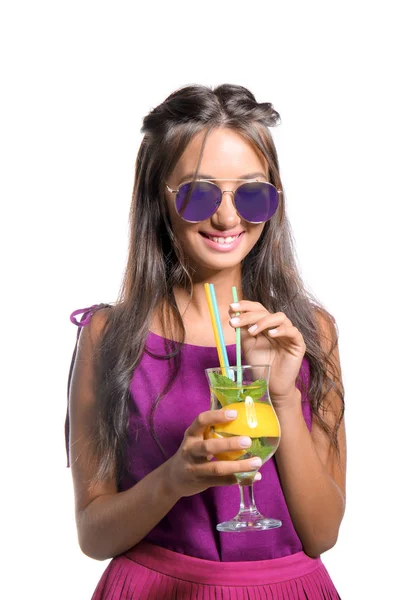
{"x":197,"y":305}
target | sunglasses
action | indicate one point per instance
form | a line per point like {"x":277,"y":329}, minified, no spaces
{"x":255,"y":201}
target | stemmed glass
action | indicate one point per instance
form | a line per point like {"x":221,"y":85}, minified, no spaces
{"x":245,"y":389}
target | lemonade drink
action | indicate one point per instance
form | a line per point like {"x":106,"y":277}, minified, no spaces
{"x":256,"y":418}
{"x":245,"y":389}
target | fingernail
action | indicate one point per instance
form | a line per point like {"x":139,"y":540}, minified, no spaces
{"x":256,"y":462}
{"x":231,"y":414}
{"x":245,"y":442}
{"x":257,"y":477}
{"x":235,"y":321}
{"x":272,"y":331}
{"x":235,"y":306}
{"x":252,"y":328}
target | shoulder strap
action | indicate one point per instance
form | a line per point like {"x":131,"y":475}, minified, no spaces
{"x":85,"y":320}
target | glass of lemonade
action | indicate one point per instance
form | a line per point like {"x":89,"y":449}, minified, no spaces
{"x":245,"y":389}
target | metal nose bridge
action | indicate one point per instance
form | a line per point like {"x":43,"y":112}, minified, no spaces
{"x":232,"y":199}
{"x":228,"y":192}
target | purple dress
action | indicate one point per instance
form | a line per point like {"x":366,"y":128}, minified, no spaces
{"x":190,"y":526}
{"x":181,"y":557}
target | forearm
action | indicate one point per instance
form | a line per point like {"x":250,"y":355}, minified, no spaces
{"x":314,"y":500}
{"x":111,"y":524}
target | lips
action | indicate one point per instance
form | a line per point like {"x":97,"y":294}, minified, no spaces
{"x":222,"y":243}
{"x":222,"y":239}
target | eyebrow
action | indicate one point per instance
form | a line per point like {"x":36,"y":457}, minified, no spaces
{"x":208,"y":176}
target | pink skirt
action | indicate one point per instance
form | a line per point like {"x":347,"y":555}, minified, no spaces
{"x":150,"y":572}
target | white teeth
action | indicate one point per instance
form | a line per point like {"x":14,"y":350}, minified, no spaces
{"x":221,"y":240}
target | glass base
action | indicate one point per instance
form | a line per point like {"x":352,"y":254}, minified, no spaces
{"x":249,"y":521}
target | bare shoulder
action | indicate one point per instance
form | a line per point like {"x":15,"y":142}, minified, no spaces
{"x":327,"y":329}
{"x":327,"y":332}
{"x":94,"y":331}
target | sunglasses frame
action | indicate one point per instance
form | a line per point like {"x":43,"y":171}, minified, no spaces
{"x":175,"y":192}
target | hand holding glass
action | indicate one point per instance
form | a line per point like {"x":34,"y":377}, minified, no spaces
{"x":245,"y":389}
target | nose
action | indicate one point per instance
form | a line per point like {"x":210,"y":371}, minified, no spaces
{"x":226,"y":216}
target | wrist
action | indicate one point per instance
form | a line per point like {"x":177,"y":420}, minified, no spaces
{"x":169,"y":486}
{"x":290,"y":401}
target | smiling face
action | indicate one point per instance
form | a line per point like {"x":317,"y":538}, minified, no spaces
{"x":227,"y":155}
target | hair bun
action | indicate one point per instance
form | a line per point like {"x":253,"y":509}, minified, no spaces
{"x":267,"y":114}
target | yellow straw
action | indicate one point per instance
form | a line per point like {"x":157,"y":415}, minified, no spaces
{"x":215,"y":328}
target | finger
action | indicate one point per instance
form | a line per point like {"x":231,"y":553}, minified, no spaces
{"x":288,"y":332}
{"x":222,"y":468}
{"x":215,"y":444}
{"x":246,"y":305}
{"x":229,"y":480}
{"x":257,"y":322}
{"x":247,"y":318}
{"x":270,"y":323}
{"x":210,"y":417}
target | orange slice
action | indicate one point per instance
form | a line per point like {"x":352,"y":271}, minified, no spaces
{"x":255,"y":419}
{"x":230,"y":454}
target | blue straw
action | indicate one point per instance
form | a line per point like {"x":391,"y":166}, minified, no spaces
{"x":238,"y":350}
{"x":219,"y":326}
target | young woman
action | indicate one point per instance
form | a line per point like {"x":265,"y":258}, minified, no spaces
{"x":207,"y":206}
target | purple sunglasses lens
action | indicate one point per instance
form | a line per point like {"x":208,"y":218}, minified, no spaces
{"x":256,"y":202}
{"x":199,"y":203}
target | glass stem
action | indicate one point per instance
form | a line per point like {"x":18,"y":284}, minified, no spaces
{"x":247,"y":504}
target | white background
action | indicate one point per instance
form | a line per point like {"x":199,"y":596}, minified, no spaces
{"x":77,"y":78}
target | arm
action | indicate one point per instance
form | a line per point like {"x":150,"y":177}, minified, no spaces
{"x":313,"y":478}
{"x":110,"y":522}
{"x":107,"y":521}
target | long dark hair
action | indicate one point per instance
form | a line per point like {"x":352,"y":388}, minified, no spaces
{"x":157,"y":264}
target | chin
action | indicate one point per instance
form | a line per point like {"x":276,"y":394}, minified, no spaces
{"x":218,"y":264}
